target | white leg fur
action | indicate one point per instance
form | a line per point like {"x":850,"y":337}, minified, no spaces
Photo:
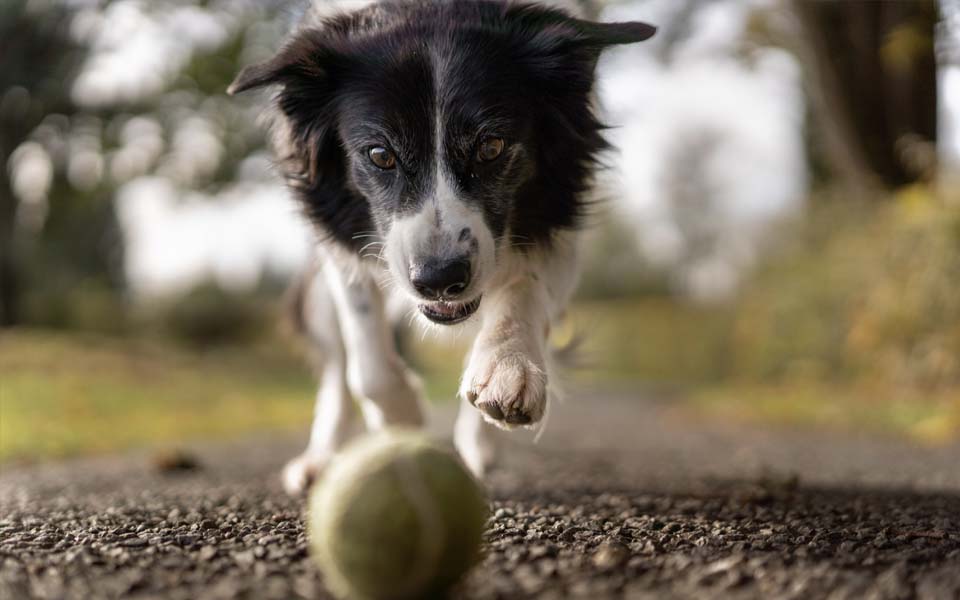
{"x":507,"y":372}
{"x":334,"y":413}
{"x":506,"y":375}
{"x":332,"y":426}
{"x":474,"y":439}
{"x":389,"y":394}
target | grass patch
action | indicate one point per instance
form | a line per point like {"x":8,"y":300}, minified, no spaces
{"x":66,"y":394}
{"x":61,"y":395}
{"x":932,"y":418}
{"x":654,"y":340}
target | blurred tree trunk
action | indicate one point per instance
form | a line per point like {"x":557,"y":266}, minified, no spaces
{"x":8,"y":275}
{"x":34,"y":82}
{"x":873,"y":71}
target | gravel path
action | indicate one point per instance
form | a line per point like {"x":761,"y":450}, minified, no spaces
{"x":622,"y":498}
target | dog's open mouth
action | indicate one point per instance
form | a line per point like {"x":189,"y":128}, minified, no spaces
{"x":448,"y":313}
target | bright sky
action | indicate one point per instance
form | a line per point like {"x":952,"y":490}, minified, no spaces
{"x":175,"y":242}
{"x":745,"y":120}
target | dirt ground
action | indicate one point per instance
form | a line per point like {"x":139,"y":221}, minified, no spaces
{"x":622,"y":497}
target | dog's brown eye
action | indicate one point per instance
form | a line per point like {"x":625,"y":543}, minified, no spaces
{"x":489,"y":149}
{"x":382,"y":157}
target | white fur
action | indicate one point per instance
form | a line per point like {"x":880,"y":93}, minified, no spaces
{"x":508,"y":364}
{"x":347,"y":325}
{"x":333,"y":413}
{"x":389,"y":394}
{"x":474,"y":439}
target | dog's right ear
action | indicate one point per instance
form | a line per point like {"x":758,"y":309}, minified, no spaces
{"x":307,"y":147}
{"x":302,"y":58}
{"x":304,"y":71}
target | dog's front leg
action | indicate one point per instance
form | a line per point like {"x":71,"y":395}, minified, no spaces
{"x":388,"y":392}
{"x":506,"y":375}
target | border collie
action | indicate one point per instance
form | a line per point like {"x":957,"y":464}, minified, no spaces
{"x":443,"y":150}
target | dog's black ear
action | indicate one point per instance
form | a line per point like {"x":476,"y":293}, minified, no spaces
{"x":255,"y":76}
{"x":545,"y":23}
{"x":612,"y":34}
{"x":308,"y":149}
{"x":560,"y":46}
{"x":301,"y":58}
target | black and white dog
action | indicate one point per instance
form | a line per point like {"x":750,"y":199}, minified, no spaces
{"x":444,"y":150}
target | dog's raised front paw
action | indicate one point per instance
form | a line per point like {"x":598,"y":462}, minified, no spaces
{"x":300,"y":473}
{"x":507,"y":387}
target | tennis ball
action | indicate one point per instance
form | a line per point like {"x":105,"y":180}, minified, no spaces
{"x":395,"y":516}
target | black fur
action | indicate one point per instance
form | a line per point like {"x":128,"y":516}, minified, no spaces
{"x":382,"y":75}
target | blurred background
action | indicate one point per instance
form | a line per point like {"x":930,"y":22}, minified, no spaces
{"x":781,"y":243}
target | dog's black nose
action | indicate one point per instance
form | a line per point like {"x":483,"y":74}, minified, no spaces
{"x":435,"y":279}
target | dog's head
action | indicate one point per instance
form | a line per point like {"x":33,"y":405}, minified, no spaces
{"x":439,"y":135}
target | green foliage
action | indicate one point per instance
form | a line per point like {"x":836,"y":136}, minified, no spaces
{"x":867,"y":294}
{"x":615,"y":266}
{"x":53,"y":272}
{"x":29,"y":91}
{"x":657,"y":340}
{"x":210,"y":316}
{"x":209,"y":73}
{"x":72,"y":270}
{"x":83,"y":305}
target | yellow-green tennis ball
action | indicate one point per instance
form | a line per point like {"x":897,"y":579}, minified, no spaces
{"x":395,"y":516}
